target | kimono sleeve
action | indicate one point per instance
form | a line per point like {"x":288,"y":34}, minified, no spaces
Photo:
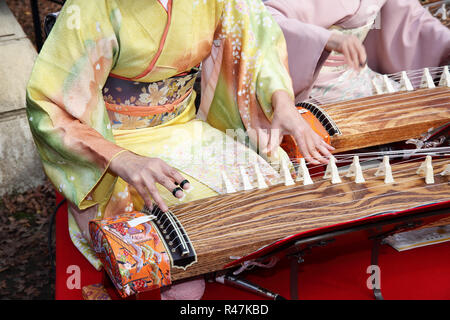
{"x":305,"y":44}
{"x":65,"y":107}
{"x":253,"y":66}
{"x":407,"y":37}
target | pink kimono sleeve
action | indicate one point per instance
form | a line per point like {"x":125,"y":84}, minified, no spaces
{"x":409,"y":38}
{"x":306,"y":50}
{"x":305,"y":26}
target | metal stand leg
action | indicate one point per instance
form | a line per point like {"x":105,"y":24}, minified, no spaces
{"x":294,"y":279}
{"x":242,"y":283}
{"x":378,"y":240}
{"x":374,"y":262}
{"x":297,"y":258}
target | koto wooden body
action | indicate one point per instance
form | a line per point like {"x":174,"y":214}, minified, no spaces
{"x":388,"y":118}
{"x":436,"y":10}
{"x":240,"y":223}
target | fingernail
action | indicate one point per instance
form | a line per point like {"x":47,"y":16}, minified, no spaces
{"x":184,"y":183}
{"x":179,"y":194}
{"x":176,"y":191}
{"x":186,"y":186}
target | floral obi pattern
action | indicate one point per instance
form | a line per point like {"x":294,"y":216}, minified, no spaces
{"x":134,"y":257}
{"x":134,"y":105}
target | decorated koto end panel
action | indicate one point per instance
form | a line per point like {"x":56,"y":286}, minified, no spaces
{"x":133,"y":255}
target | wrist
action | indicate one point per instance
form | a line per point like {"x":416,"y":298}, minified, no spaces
{"x":117,"y":161}
{"x":281,"y":98}
{"x":333,"y":42}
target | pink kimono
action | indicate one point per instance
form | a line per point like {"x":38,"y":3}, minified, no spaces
{"x":397,"y":34}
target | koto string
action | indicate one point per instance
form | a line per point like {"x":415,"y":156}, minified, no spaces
{"x":394,"y":97}
{"x":417,"y":72}
{"x":391,"y":155}
{"x":287,"y":204}
{"x":377,"y":99}
{"x":312,"y":175}
{"x":188,"y":205}
{"x":346,"y":112}
{"x":199,"y":216}
{"x":345,"y":158}
{"x":331,"y":102}
{"x":398,"y":153}
{"x":401,"y":97}
{"x":296,"y":212}
{"x":215,"y":229}
{"x":281,"y":198}
{"x":412,"y":76}
{"x":302,"y":223}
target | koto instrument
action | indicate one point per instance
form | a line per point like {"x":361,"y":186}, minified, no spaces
{"x":407,"y":105}
{"x":208,"y":235}
{"x":202,"y":236}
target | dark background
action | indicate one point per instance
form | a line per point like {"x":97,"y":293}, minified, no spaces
{"x":25,"y":268}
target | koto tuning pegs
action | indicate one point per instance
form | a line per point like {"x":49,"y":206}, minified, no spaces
{"x":245,"y":179}
{"x":332,"y":171}
{"x":387,"y":84}
{"x":259,"y":177}
{"x":228,"y":186}
{"x":303,"y":173}
{"x":445,"y":78}
{"x":286,"y":173}
{"x":442,"y":11}
{"x":378,"y":89}
{"x":356,"y":171}
{"x":427,"y":80}
{"x":385,"y":170}
{"x":385,"y":87}
{"x":427,"y":168}
{"x":405,"y":83}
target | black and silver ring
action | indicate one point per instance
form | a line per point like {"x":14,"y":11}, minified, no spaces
{"x":182,"y":183}
{"x":174,"y":191}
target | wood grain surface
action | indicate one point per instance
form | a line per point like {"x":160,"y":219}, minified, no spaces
{"x":238,"y":224}
{"x":388,"y":118}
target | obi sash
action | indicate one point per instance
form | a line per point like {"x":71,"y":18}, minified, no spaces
{"x":133,"y":105}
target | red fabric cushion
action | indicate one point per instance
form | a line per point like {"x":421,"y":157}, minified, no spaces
{"x":337,"y":271}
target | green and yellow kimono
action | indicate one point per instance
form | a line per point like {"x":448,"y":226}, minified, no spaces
{"x":118,"y":75}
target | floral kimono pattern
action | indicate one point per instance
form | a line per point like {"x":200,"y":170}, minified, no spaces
{"x":79,"y":128}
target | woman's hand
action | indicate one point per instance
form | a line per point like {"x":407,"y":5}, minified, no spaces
{"x":143,"y":172}
{"x":350,"y":46}
{"x":288,"y":121}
